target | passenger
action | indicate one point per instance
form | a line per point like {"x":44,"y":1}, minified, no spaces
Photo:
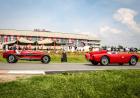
{"x":109,"y":51}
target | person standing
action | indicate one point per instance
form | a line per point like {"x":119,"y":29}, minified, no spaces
{"x":64,"y":56}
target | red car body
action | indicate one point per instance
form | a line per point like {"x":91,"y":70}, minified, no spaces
{"x":26,"y":55}
{"x":112,"y":57}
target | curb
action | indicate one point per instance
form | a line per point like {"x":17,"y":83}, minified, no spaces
{"x":3,"y":72}
{"x":40,"y":72}
{"x":43,"y":72}
{"x":33,"y":72}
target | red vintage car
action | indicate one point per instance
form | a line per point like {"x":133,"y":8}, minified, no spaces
{"x":13,"y":56}
{"x":104,"y":58}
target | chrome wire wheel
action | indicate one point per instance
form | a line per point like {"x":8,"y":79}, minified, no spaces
{"x":133,"y":61}
{"x":46,"y":59}
{"x":104,"y":60}
{"x":11,"y":59}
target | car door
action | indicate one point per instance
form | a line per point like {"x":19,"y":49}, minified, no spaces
{"x":114,"y":57}
{"x":25,"y":55}
{"x":35,"y":55}
{"x":118,"y":58}
{"x":124,"y":57}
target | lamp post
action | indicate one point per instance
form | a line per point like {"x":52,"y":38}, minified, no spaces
{"x":54,"y":44}
{"x":37,"y":41}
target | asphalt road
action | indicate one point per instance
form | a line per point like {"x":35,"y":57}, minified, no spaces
{"x":63,"y":67}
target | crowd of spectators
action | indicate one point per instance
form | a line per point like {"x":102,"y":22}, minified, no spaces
{"x":29,"y":47}
{"x":122,"y":49}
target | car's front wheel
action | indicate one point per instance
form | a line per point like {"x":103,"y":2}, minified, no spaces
{"x":133,"y":60}
{"x":46,"y":59}
{"x":12,"y":59}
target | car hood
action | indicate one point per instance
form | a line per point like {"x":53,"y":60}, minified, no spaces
{"x":98,"y":52}
{"x":33,"y":52}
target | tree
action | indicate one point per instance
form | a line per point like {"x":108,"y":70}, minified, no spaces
{"x":120,"y":46}
{"x":104,"y":47}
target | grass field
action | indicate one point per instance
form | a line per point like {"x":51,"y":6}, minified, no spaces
{"x":97,"y":84}
{"x":72,"y":58}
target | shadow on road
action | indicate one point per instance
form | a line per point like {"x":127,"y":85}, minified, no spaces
{"x":109,"y":65}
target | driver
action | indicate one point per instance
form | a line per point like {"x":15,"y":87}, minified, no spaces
{"x":15,"y":49}
{"x":111,"y":52}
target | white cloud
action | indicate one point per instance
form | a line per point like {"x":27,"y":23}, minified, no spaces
{"x":125,"y":1}
{"x":108,"y":29}
{"x":126,"y":16}
{"x":90,"y":34}
{"x":81,"y":31}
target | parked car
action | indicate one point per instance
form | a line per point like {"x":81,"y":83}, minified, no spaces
{"x":13,"y":56}
{"x":104,"y":58}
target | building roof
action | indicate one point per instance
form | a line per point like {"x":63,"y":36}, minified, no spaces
{"x":45,"y":41}
{"x":46,"y":34}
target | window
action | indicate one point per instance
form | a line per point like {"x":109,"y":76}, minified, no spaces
{"x":34,"y":38}
{"x":64,"y":40}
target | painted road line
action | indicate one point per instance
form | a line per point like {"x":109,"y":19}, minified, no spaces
{"x":26,"y":72}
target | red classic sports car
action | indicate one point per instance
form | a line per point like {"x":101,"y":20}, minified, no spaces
{"x":13,"y":56}
{"x":104,"y":58}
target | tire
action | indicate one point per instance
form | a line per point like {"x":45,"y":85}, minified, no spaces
{"x":12,"y":59}
{"x":94,"y":62}
{"x":104,"y":60}
{"x":133,"y":60}
{"x":46,"y":59}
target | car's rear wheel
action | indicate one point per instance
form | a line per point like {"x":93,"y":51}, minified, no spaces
{"x":94,"y":62}
{"x":12,"y":59}
{"x":133,"y":60}
{"x":104,"y":60}
{"x":46,"y":59}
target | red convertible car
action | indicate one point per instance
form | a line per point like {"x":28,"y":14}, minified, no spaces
{"x":104,"y":58}
{"x":13,"y":56}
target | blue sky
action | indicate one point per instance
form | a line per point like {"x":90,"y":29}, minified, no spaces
{"x":94,"y":17}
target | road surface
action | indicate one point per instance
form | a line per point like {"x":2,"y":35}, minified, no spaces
{"x":63,"y":67}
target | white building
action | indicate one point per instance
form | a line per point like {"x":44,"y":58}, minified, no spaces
{"x":70,"y":39}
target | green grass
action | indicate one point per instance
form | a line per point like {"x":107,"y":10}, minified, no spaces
{"x":2,"y":59}
{"x":97,"y":84}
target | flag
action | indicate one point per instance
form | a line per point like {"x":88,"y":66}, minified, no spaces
{"x":54,"y":39}
{"x":29,"y":38}
{"x":18,"y":37}
{"x":12,"y":38}
{"x":70,"y":41}
{"x":0,"y":39}
{"x":5,"y":38}
{"x":41,"y":38}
